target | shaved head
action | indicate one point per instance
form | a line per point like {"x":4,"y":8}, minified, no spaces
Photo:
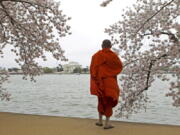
{"x":106,"y":43}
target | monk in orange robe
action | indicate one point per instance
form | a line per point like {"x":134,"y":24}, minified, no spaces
{"x":104,"y":68}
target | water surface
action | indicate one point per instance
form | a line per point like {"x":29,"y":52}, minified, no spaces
{"x":68,"y":95}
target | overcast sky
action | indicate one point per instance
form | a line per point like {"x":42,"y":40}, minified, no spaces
{"x":88,"y":23}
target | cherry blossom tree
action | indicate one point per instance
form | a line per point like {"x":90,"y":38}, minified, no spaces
{"x":31,"y":28}
{"x":147,"y":37}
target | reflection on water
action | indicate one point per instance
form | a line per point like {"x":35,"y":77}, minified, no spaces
{"x":68,"y":95}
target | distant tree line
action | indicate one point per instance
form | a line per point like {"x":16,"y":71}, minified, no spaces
{"x":60,"y":69}
{"x":81,"y":70}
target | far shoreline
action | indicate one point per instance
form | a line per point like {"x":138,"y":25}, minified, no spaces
{"x":53,"y":73}
{"x":58,"y":73}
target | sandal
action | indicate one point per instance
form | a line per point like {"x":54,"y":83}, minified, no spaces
{"x":109,"y":127}
{"x":99,"y":124}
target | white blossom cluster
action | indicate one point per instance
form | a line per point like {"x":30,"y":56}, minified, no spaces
{"x":31,"y":28}
{"x":148,"y":39}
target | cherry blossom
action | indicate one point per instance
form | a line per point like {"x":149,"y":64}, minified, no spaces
{"x":147,"y":37}
{"x":32,"y":28}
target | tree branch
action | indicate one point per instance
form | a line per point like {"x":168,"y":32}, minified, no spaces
{"x":136,"y":94}
{"x":27,"y":2}
{"x":171,"y":35}
{"x":4,"y":34}
{"x":7,"y":14}
{"x":154,"y":15}
{"x":2,"y":18}
{"x":105,"y":3}
{"x":12,"y":20}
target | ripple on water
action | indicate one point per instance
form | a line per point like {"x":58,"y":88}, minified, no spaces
{"x":69,"y":96}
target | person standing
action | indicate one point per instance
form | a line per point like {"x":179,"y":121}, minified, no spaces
{"x":104,"y":68}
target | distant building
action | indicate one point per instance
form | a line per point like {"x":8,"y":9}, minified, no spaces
{"x":15,"y":70}
{"x":69,"y":68}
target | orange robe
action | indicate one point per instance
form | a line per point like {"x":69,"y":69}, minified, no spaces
{"x":104,"y":68}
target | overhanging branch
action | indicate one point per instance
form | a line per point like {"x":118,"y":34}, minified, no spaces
{"x":136,"y":94}
{"x":27,"y":2}
{"x":171,"y":35}
{"x":154,"y":15}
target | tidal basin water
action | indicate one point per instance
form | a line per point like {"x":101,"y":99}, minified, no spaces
{"x":69,"y":96}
